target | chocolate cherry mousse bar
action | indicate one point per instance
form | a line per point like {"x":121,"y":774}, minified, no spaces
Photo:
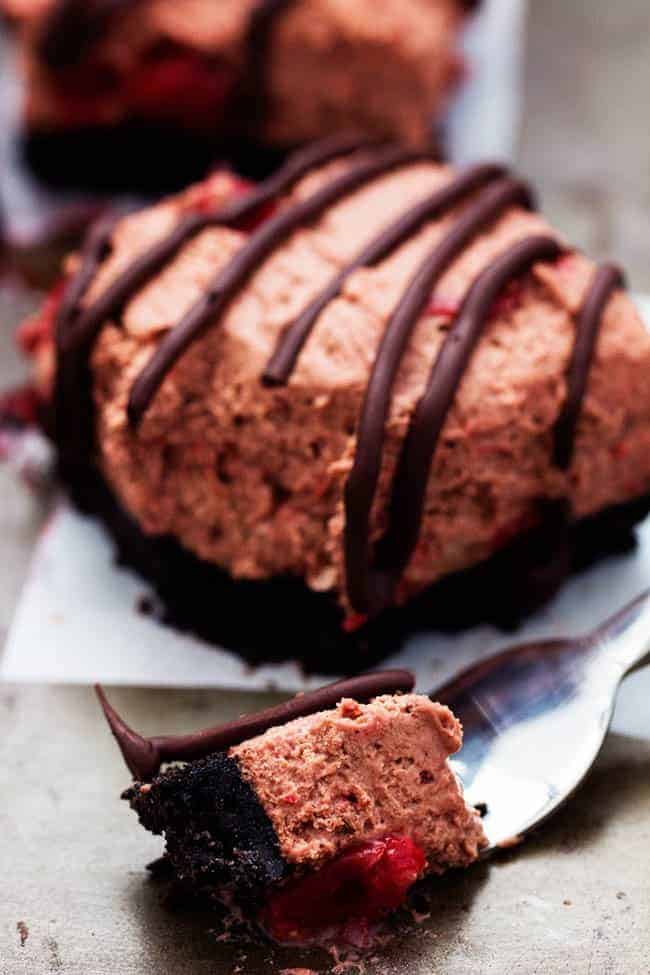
{"x":366,"y":377}
{"x":277,"y":72}
{"x":316,"y":815}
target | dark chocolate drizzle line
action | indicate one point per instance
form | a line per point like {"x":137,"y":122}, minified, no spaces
{"x":95,"y":251}
{"x":260,"y":244}
{"x":363,"y":584}
{"x":144,"y":756}
{"x":77,"y":329}
{"x":252,"y":100}
{"x":291,"y":342}
{"x":409,"y":485}
{"x":72,"y":397}
{"x":112,"y":302}
{"x":606,"y":280}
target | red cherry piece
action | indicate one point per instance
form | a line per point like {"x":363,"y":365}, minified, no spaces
{"x":40,"y":328}
{"x":442,"y":307}
{"x":354,"y":622}
{"x":180,"y":82}
{"x":357,"y":888}
{"x":508,"y":302}
{"x":19,"y":407}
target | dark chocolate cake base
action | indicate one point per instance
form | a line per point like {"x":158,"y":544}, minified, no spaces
{"x":284,"y":620}
{"x":140,"y":157}
{"x":217,"y":834}
{"x":148,"y":158}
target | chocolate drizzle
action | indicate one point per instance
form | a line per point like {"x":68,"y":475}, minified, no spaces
{"x":252,"y":100}
{"x":95,"y":251}
{"x":77,"y":328}
{"x":144,"y":756}
{"x":371,"y":575}
{"x":72,"y":412}
{"x":290,"y":344}
{"x":362,"y":482}
{"x":606,"y":280}
{"x":234,"y":275}
{"x":112,"y":302}
{"x":410,"y":482}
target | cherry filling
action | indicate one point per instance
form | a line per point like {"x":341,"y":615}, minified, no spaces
{"x":38,"y":331}
{"x":204,"y":198}
{"x":180,"y":84}
{"x":19,"y":408}
{"x":362,"y":884}
{"x":508,"y":301}
{"x":170,"y":83}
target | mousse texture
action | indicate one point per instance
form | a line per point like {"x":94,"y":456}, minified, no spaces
{"x":335,"y":778}
{"x":325,"y":64}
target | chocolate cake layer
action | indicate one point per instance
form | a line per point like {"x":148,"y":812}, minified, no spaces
{"x":284,"y":620}
{"x":217,"y":834}
{"x":138,"y":157}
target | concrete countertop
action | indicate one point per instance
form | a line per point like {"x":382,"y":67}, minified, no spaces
{"x":576,"y":898}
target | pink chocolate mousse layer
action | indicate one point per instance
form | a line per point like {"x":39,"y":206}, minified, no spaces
{"x":328,"y":65}
{"x":252,"y":479}
{"x":334,"y":779}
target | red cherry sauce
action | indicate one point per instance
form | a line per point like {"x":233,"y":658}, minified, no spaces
{"x":358,"y":887}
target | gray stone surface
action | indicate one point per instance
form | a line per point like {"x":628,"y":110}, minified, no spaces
{"x":574,"y":899}
{"x":74,"y":897}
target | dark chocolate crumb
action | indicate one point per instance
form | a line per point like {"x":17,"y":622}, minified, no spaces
{"x":145,"y":605}
{"x":161,"y":867}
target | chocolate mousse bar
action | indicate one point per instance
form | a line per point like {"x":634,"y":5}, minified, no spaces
{"x":366,"y":377}
{"x":276,"y":72}
{"x":313,"y":816}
